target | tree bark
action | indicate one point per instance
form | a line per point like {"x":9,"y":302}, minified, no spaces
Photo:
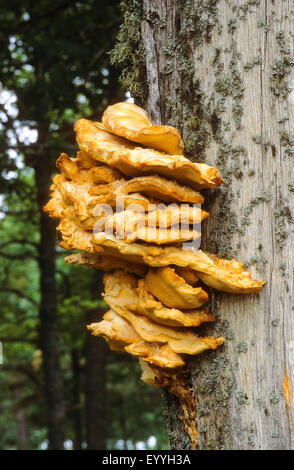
{"x":95,"y":377}
{"x":48,"y":312}
{"x":222,"y":72}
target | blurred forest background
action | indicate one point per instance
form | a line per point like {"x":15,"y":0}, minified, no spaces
{"x":59,"y":387}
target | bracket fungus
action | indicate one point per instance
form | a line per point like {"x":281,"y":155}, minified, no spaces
{"x":129,"y":169}
{"x":132,"y":122}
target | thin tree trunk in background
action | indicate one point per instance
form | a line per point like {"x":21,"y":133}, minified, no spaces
{"x":77,"y":416}
{"x":48,"y":312}
{"x":21,"y":424}
{"x":22,"y":430}
{"x":95,"y":378}
{"x":223,"y":73}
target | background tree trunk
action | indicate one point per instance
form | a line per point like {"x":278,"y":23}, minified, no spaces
{"x":21,"y":423}
{"x":223,"y":73}
{"x":77,"y":415}
{"x":95,"y":378}
{"x":48,"y":311}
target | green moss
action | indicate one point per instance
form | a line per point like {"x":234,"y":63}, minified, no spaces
{"x":232,"y":85}
{"x":203,"y":411}
{"x":282,"y":269}
{"x":237,"y":91}
{"x":274,"y":398}
{"x":250,"y":437}
{"x":162,"y":22}
{"x":211,"y":375}
{"x":241,"y":10}
{"x":189,"y":112}
{"x":202,"y":429}
{"x":170,"y":47}
{"x":281,"y":67}
{"x":256,"y":139}
{"x":242,"y":347}
{"x":287,"y":142}
{"x":213,"y":387}
{"x":245,"y":220}
{"x":128,"y":53}
{"x":291,"y":186}
{"x":230,"y":162}
{"x":197,"y":133}
{"x":249,"y":65}
{"x":282,"y":215}
{"x":223,"y":86}
{"x":257,"y":260}
{"x":232,"y":25}
{"x":215,"y":445}
{"x":200,"y":19}
{"x":283,"y":120}
{"x":262,"y":23}
{"x":215,"y":59}
{"x":241,"y":397}
{"x":169,"y":67}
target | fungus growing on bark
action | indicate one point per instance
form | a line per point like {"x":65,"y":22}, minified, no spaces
{"x":132,"y":160}
{"x":132,"y":122}
{"x":109,"y":201}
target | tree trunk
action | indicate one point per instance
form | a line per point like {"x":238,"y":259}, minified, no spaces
{"x":21,"y":424}
{"x":48,"y":312}
{"x":95,"y":385}
{"x":77,"y":416}
{"x":223,"y":73}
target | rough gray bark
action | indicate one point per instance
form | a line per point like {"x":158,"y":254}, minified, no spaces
{"x":222,"y":71}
